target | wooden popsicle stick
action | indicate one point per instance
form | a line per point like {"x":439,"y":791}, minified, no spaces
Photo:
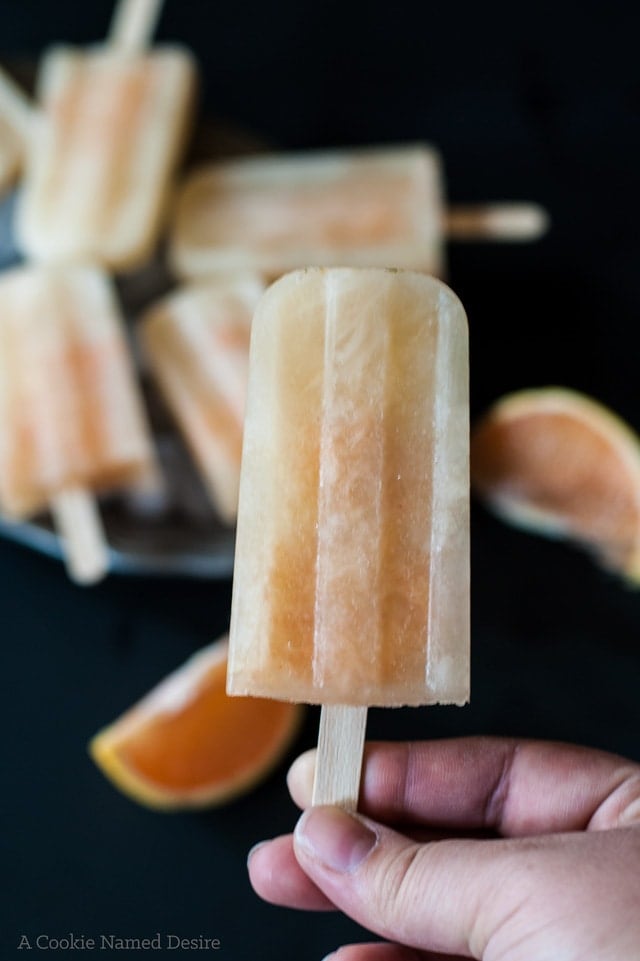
{"x":503,"y":221}
{"x":339,"y":760}
{"x":133,"y":24}
{"x":77,"y":521}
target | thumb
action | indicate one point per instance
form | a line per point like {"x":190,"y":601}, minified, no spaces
{"x":439,"y":896}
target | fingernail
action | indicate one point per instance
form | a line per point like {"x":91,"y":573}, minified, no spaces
{"x":336,"y":838}
{"x":255,"y":848}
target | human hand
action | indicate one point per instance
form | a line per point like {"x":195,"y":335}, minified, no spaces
{"x":559,"y":880}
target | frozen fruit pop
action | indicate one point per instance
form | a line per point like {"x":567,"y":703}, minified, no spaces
{"x":372,"y":207}
{"x":196,"y":342}
{"x":351,"y":582}
{"x":113,"y":124}
{"x":71,"y":419}
{"x":274,"y":213}
{"x":16,"y":117}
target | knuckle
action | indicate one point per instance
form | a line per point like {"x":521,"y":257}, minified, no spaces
{"x":400,"y":890}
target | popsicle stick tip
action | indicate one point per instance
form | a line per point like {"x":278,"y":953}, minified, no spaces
{"x":501,"y":221}
{"x":133,"y":25}
{"x":77,"y":521}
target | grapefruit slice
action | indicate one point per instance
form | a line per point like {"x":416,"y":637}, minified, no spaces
{"x":556,"y":462}
{"x":187,"y":745}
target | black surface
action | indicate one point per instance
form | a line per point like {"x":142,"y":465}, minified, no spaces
{"x":537,"y":103}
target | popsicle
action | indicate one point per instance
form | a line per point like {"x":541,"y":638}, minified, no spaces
{"x":351,"y":581}
{"x":71,"y":419}
{"x":16,"y":117}
{"x":197,"y":344}
{"x":114,"y":121}
{"x":372,"y":207}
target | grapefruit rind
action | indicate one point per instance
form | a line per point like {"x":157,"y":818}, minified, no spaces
{"x":172,"y":694}
{"x":530,"y":516}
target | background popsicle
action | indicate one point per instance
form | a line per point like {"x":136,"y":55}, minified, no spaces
{"x":371,"y":207}
{"x":197,"y":344}
{"x":273,"y":213}
{"x":114,"y":121}
{"x":71,"y":419}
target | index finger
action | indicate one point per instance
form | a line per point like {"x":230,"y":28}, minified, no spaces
{"x":515,"y":787}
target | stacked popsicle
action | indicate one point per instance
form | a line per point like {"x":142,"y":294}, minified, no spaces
{"x":197,"y":345}
{"x":71,"y":418}
{"x":113,"y":124}
{"x":373,"y":207}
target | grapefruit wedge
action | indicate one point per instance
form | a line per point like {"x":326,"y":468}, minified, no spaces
{"x":187,"y":745}
{"x":556,"y":462}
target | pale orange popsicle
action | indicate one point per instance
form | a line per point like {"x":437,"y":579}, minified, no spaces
{"x":369,"y":207}
{"x":113,"y":126}
{"x":351,"y":582}
{"x":197,"y":344}
{"x":71,"y":418}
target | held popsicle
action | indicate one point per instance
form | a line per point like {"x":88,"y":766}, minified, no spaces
{"x":71,"y":419}
{"x":351,"y":583}
{"x":372,"y":207}
{"x":114,"y":122}
{"x":197,"y":344}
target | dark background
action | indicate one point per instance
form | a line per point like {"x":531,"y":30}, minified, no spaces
{"x":539,"y":103}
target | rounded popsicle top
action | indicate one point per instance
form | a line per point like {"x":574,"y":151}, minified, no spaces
{"x":434,"y":293}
